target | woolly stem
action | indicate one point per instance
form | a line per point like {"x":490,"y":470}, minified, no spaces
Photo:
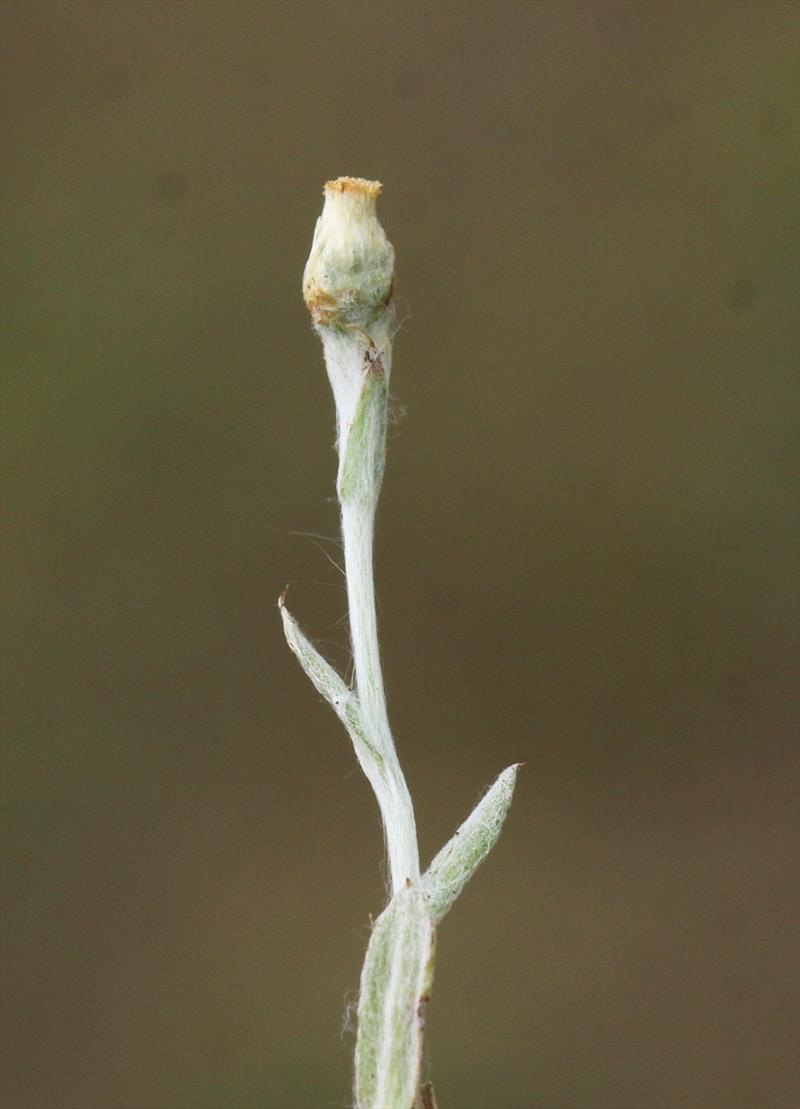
{"x":395,"y":802}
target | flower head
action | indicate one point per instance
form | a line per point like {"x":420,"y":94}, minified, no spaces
{"x":348,"y":277}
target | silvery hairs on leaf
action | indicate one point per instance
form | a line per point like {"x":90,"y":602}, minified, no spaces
{"x":395,"y":985}
{"x":461,"y":856}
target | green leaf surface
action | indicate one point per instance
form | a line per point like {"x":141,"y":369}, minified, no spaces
{"x":364,"y":455}
{"x":395,"y":984}
{"x":461,"y":856}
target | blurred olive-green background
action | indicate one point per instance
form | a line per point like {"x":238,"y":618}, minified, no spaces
{"x":585,"y":551}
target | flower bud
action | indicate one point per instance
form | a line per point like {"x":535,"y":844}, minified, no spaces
{"x":348,"y":277}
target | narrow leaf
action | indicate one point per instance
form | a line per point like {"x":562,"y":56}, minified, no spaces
{"x":395,"y":983}
{"x":462,"y":855}
{"x":364,"y":454}
{"x":336,"y":692}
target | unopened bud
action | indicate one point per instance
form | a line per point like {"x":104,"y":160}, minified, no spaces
{"x":348,"y":277}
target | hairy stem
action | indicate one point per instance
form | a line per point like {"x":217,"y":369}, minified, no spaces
{"x":398,"y":811}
